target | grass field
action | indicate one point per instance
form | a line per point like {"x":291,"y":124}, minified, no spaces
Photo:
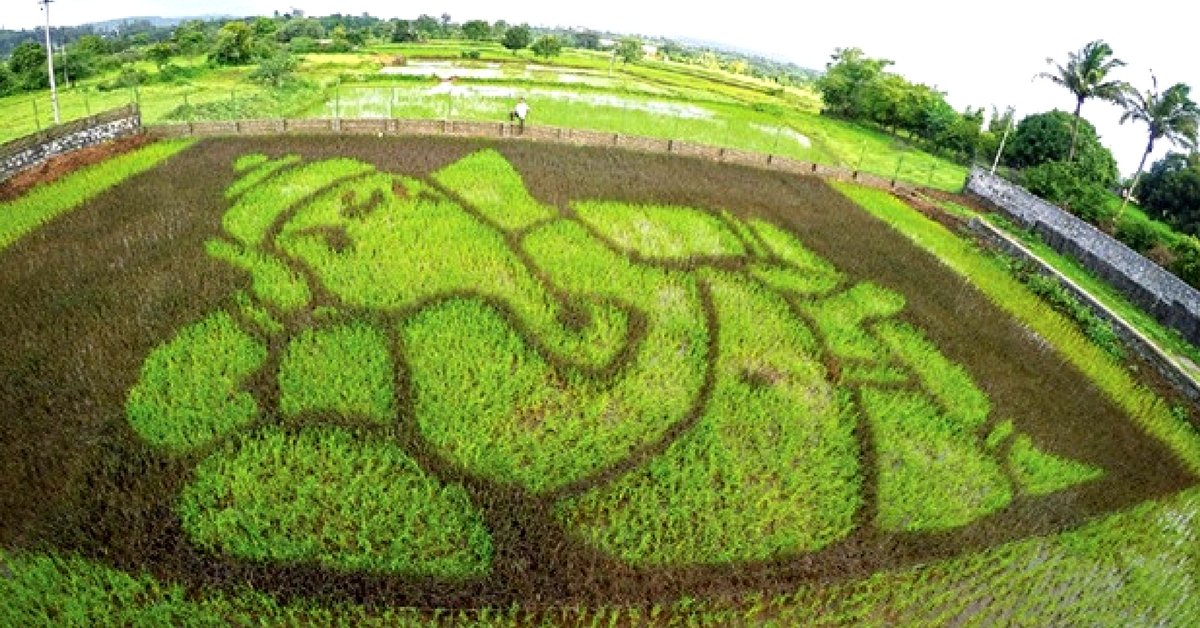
{"x":446,"y":382}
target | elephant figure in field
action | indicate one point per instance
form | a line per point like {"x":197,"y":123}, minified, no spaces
{"x":685,"y":387}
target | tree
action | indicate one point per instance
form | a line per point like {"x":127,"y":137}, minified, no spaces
{"x":587,"y":40}
{"x":517,"y":37}
{"x":300,"y":27}
{"x":1169,"y":115}
{"x":1084,"y":76}
{"x":547,"y":46}
{"x":848,"y":75}
{"x":629,"y":49}
{"x":276,"y":69}
{"x":1171,"y":190}
{"x":28,"y":64}
{"x":1046,"y":137}
{"x":403,"y":31}
{"x":428,"y":26}
{"x":8,"y":81}
{"x":477,"y":30}
{"x":161,"y":54}
{"x":235,"y":44}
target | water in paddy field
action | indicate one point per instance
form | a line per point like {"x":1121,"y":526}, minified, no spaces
{"x":799,"y":138}
{"x":485,"y":101}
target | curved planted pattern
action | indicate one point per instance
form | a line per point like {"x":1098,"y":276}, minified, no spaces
{"x":675,"y":387}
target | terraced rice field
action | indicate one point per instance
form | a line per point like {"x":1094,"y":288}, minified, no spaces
{"x":434,"y":382}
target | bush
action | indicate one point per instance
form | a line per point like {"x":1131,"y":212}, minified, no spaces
{"x":302,"y":44}
{"x":1187,"y":260}
{"x":1064,"y":185}
{"x":1094,"y":327}
{"x":470,"y":54}
{"x":1138,"y":234}
{"x":1046,"y":137}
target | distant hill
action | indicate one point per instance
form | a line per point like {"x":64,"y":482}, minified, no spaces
{"x":112,"y":26}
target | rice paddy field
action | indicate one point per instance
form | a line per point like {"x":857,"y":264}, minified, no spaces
{"x":438,"y":382}
{"x":580,"y":89}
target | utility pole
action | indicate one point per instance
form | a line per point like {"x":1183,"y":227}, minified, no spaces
{"x":1012,"y":117}
{"x":50,"y":60}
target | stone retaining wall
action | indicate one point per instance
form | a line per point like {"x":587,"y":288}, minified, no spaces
{"x":31,"y":150}
{"x":1132,"y":338}
{"x":1166,"y":297}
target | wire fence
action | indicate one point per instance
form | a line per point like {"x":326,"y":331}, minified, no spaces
{"x":716,"y":124}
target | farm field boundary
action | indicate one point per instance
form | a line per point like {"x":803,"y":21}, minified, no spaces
{"x":31,"y":150}
{"x":563,"y":135}
{"x":1165,"y":364}
{"x":175,"y":270}
{"x":1166,"y":297}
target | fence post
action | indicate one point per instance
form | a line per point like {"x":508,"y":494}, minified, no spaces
{"x":87,"y":105}
{"x":37,"y":117}
{"x":896,"y":175}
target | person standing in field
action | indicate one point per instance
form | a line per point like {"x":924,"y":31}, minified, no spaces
{"x":519,"y":113}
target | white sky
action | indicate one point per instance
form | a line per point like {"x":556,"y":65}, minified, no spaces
{"x":980,"y":53}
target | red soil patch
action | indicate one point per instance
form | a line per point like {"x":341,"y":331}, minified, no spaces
{"x":58,"y":167}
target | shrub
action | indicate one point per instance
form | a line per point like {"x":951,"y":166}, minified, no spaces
{"x":1138,"y":234}
{"x":468,"y":54}
{"x":1187,"y":260}
{"x":1046,"y":137}
{"x":1065,"y":185}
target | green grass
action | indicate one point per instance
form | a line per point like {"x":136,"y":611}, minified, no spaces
{"x":189,"y":392}
{"x":329,"y":496}
{"x":40,"y":205}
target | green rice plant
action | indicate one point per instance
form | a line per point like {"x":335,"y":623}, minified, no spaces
{"x":1040,"y":473}
{"x":388,"y":243}
{"x":919,"y":446}
{"x":43,"y":203}
{"x":787,"y":248}
{"x":257,"y":314}
{"x":255,"y":169}
{"x":272,"y":282}
{"x":260,"y":207}
{"x":345,"y":369}
{"x":842,"y":320}
{"x":189,"y":391}
{"x":660,"y":232}
{"x":492,"y":404}
{"x":489,"y":183}
{"x":963,"y":403}
{"x":771,"y":468}
{"x":327,"y":496}
{"x":1148,"y":410}
{"x":788,"y":279}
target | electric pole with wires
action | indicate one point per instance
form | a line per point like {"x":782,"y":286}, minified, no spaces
{"x":50,"y":60}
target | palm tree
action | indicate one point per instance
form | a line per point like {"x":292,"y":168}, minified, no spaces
{"x":1171,"y":115}
{"x":1084,"y":77}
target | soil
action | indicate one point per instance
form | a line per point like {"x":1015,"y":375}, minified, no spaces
{"x":79,"y":321}
{"x":58,"y":167}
